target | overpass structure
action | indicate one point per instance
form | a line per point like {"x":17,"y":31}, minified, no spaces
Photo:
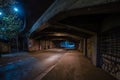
{"x":92,"y":26}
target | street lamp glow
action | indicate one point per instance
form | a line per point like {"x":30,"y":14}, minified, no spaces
{"x":15,"y":9}
{"x":0,"y":13}
{"x":3,"y":29}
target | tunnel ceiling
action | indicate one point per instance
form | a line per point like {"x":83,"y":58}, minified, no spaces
{"x":58,"y":29}
{"x":83,"y":22}
{"x":88,"y":18}
{"x":55,"y":38}
{"x":75,"y":7}
{"x":88,"y":22}
{"x":54,"y":31}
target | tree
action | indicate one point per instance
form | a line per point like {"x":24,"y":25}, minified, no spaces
{"x":11,"y":19}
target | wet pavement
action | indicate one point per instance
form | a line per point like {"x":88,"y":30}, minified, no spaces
{"x":30,"y":66}
{"x":73,"y":66}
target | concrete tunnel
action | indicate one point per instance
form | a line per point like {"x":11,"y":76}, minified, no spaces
{"x":90,"y":27}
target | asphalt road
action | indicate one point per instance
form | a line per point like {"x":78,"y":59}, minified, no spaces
{"x":74,"y":66}
{"x":34,"y":66}
{"x":52,"y":64}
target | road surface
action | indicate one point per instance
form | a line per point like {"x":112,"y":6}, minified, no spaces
{"x":31,"y":66}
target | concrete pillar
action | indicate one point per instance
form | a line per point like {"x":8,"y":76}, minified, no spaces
{"x":98,"y":55}
{"x":94,"y":54}
{"x":45,"y":44}
{"x":85,"y":47}
{"x":80,"y":48}
{"x":48,"y":44}
{"x":51,"y":44}
{"x":82,"y":45}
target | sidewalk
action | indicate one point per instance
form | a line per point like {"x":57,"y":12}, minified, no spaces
{"x":12,"y":57}
{"x":74,"y":66}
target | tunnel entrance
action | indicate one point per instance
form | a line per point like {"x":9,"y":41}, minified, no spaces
{"x":67,"y":44}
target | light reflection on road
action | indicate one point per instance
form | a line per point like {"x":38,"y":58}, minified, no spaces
{"x":52,"y":58}
{"x":28,"y":68}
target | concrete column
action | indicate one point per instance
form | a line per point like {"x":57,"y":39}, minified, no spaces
{"x":85,"y":47}
{"x":45,"y":44}
{"x":82,"y":45}
{"x":98,"y":55}
{"x":80,"y":48}
{"x":94,"y":54}
{"x":48,"y":44}
{"x":51,"y":44}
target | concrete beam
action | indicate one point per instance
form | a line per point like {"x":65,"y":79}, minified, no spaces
{"x":63,"y":5}
{"x":79,"y":31}
{"x":74,"y":28}
{"x":61,"y":35}
{"x":111,"y":8}
{"x":56,"y":7}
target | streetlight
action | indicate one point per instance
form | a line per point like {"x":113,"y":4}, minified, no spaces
{"x":3,"y":29}
{"x":0,"y":13}
{"x":15,"y":9}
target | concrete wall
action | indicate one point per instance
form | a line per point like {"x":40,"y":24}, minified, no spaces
{"x":92,"y":44}
{"x":88,"y":47}
{"x":92,"y":49}
{"x":46,"y":44}
{"x":4,"y":47}
{"x":37,"y":45}
{"x":81,"y":45}
{"x":33,"y":45}
{"x":108,"y":24}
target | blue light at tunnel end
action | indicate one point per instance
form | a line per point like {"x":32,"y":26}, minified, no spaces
{"x":67,"y":44}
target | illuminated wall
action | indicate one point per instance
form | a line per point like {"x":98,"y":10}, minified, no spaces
{"x":92,"y":49}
